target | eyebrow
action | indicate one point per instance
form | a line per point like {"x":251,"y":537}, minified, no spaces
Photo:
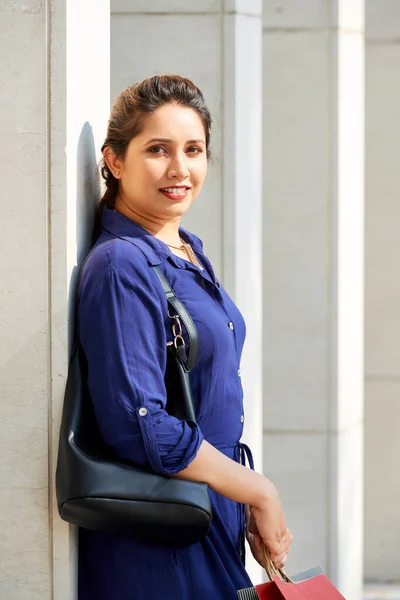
{"x":167,"y":140}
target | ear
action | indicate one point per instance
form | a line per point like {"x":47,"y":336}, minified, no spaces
{"x":112,"y":162}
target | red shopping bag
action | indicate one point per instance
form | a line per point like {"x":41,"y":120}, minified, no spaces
{"x":311,"y":585}
{"x":316,"y":588}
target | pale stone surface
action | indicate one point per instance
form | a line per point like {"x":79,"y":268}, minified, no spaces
{"x":133,"y":37}
{"x":295,"y":224}
{"x":161,"y":6}
{"x":249,"y":7}
{"x":382,"y":239}
{"x":314,"y":14}
{"x":382,"y":483}
{"x":382,"y":291}
{"x":348,"y":16}
{"x":245,"y":7}
{"x":382,"y":22}
{"x":286,"y":14}
{"x":345,"y":510}
{"x":348,"y":231}
{"x":80,"y":93}
{"x":381,"y":592}
{"x":313,"y":276}
{"x":241,"y":240}
{"x":24,"y":543}
{"x":297,"y":464}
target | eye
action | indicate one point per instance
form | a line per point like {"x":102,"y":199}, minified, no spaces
{"x":194,"y":150}
{"x":156,"y":149}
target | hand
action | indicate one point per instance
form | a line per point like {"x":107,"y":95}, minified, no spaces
{"x":253,"y":539}
{"x":267,"y":523}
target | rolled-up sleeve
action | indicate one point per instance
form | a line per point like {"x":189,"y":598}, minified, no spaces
{"x":122,"y":332}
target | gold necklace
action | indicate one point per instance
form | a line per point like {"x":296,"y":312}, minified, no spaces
{"x":184,"y":248}
{"x":189,"y":251}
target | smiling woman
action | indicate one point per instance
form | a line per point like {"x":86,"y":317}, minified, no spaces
{"x":171,"y":166}
{"x":160,"y":151}
{"x":155,"y":163}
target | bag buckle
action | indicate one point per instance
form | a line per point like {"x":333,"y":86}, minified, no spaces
{"x":177,"y":330}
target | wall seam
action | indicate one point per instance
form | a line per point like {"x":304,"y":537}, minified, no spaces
{"x":330,"y":314}
{"x":311,"y":30}
{"x":383,"y":377}
{"x":179,"y":14}
{"x":382,"y":42}
{"x":222,"y":146}
{"x":49,"y":291}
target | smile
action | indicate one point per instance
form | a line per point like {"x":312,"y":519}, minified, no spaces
{"x":175,"y":192}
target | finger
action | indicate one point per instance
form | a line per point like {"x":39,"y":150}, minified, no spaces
{"x":285,"y":546}
{"x":288,"y":535}
{"x":256,"y":551}
{"x":278,"y":554}
{"x":274,"y":548}
{"x":252,"y":526}
{"x":285,"y":536}
{"x":286,"y":540}
{"x":257,"y":541}
{"x":280,"y":561}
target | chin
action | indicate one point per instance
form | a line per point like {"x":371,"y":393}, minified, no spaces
{"x":179,"y":209}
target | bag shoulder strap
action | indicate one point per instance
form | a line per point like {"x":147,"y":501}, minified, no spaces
{"x":185,"y":317}
{"x":176,"y":304}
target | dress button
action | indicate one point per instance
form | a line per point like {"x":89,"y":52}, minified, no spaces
{"x":242,"y":419}
{"x":231,"y":325}
{"x":240,"y":372}
{"x":142,"y":412}
{"x":217,"y":283}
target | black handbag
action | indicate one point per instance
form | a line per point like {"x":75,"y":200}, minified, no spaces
{"x":96,"y":490}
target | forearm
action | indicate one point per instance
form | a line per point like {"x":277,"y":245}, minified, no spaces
{"x":227,"y":477}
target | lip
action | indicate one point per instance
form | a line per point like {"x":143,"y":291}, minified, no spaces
{"x":173,"y":196}
{"x":179,"y":187}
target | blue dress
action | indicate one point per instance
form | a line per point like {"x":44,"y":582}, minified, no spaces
{"x":124,"y":329}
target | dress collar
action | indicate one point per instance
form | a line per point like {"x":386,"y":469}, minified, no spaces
{"x":154,"y":249}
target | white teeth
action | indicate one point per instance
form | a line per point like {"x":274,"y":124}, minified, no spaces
{"x":180,"y":191}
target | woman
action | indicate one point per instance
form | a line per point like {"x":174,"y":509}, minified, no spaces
{"x":155,"y":163}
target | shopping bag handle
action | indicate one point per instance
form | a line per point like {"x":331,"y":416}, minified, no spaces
{"x":270,"y":568}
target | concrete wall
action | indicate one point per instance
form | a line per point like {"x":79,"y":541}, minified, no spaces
{"x":382,"y":383}
{"x":55,"y":104}
{"x":313,"y":278}
{"x":24,"y":321}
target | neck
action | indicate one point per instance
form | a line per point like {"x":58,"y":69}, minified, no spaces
{"x":164,"y":230}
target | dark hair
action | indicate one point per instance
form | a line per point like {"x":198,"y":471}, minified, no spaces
{"x":129,"y":113}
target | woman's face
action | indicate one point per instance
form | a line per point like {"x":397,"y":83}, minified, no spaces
{"x":165,"y":166}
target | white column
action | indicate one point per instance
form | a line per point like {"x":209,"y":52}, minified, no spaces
{"x":219,"y":48}
{"x":382,"y":351}
{"x":242,"y":201}
{"x":313,"y":280}
{"x":55,"y":104}
{"x":79,"y":109}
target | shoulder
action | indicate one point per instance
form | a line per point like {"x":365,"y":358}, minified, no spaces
{"x":116,"y":260}
{"x":114,"y":254}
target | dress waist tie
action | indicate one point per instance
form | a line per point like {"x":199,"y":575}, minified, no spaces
{"x":242,"y":455}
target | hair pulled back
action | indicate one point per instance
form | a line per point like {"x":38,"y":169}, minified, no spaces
{"x":128,"y":116}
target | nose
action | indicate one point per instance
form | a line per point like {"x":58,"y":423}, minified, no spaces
{"x":178,"y":168}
